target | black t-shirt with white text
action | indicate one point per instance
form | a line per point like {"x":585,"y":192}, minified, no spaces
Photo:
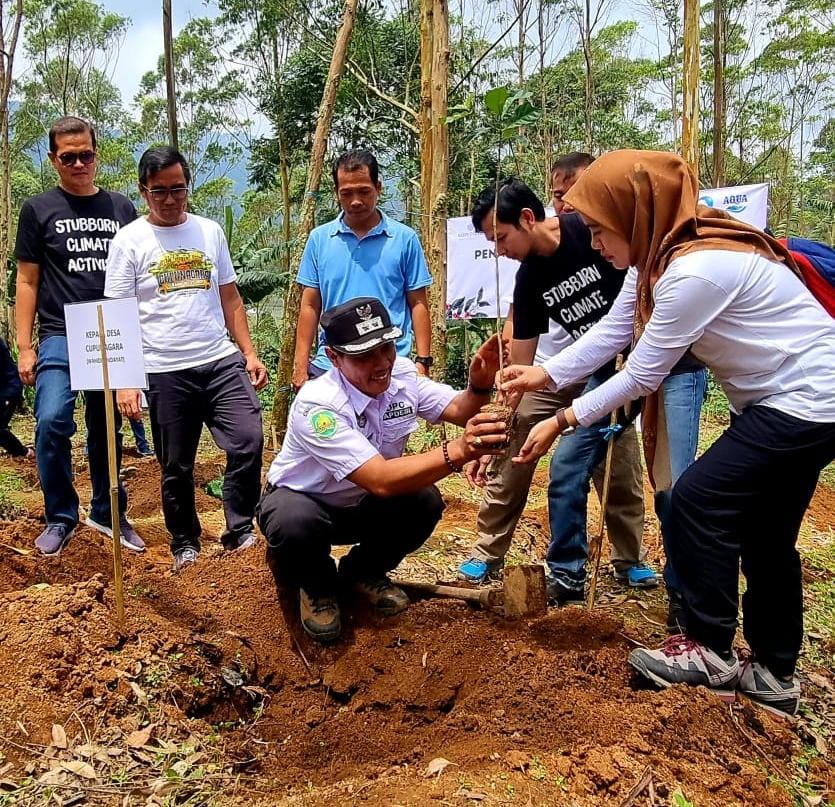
{"x":69,"y":237}
{"x":574,"y":285}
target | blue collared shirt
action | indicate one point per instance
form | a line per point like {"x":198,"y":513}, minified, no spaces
{"x":334,"y":428}
{"x":386,"y":263}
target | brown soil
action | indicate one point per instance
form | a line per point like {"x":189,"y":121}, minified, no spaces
{"x":540,"y":712}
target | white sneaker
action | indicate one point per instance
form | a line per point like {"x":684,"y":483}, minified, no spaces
{"x":681,"y":660}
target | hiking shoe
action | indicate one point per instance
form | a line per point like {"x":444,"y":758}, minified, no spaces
{"x":387,"y":598}
{"x":320,"y":617}
{"x":681,"y":660}
{"x":187,"y":556}
{"x":769,"y":691}
{"x":640,"y":575}
{"x":238,"y":543}
{"x":128,"y":536}
{"x":53,"y":539}
{"x":476,"y":570}
{"x":559,"y":594}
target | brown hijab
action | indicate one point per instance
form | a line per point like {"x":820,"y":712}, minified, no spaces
{"x":650,"y":198}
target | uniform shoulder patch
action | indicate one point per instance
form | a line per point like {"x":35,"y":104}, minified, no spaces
{"x":323,"y":422}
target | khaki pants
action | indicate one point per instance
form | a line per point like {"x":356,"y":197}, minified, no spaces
{"x":508,"y":483}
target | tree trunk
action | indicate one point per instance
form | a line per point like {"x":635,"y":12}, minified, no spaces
{"x":690,"y":87}
{"x":425,"y":119}
{"x":719,"y":112}
{"x":7,"y":53}
{"x":589,"y":79}
{"x":307,"y":216}
{"x":286,"y":223}
{"x":171,"y":98}
{"x":437,"y":244}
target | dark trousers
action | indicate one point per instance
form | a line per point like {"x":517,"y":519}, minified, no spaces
{"x":8,"y":442}
{"x":744,"y":500}
{"x":301,"y":530}
{"x":220,"y":395}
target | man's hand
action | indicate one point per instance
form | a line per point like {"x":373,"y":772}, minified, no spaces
{"x":256,"y":371}
{"x":129,"y":403}
{"x":26,"y":362}
{"x":539,"y":441}
{"x":300,"y":378}
{"x":422,"y":369}
{"x":520,"y":378}
{"x":485,"y":363}
{"x":475,"y":472}
{"x":484,"y":434}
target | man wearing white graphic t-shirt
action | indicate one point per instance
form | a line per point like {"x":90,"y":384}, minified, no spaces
{"x":178,"y":266}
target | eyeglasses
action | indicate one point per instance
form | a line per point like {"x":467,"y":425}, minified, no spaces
{"x":161,"y":194}
{"x":69,"y":158}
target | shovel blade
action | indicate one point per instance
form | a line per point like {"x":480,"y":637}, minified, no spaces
{"x":524,"y":591}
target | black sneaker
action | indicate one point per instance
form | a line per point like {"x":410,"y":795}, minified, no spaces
{"x":769,"y":691}
{"x":187,"y":556}
{"x":558,"y":594}
{"x":53,"y":539}
{"x":386,"y":598}
{"x":320,"y":617}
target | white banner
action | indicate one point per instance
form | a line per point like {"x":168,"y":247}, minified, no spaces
{"x":748,"y":203}
{"x":123,"y":338}
{"x":471,"y":273}
{"x":471,"y":276}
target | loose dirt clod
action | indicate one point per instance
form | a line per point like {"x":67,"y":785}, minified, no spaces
{"x":504,"y":413}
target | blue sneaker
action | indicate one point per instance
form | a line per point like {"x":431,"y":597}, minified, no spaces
{"x":476,"y":570}
{"x":641,"y":575}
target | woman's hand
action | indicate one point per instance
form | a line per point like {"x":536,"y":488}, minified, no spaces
{"x":519,"y":378}
{"x":540,"y":439}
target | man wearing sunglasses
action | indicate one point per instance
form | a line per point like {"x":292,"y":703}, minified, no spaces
{"x":178,"y":265}
{"x":63,"y":237}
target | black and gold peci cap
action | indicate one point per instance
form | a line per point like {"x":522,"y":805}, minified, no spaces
{"x":358,"y":325}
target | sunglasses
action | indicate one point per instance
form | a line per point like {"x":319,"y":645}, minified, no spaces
{"x":159,"y":194}
{"x":69,"y":158}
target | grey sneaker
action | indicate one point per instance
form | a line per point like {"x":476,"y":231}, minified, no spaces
{"x":185,"y":557}
{"x":769,"y":691}
{"x":128,"y":536}
{"x":53,"y":539}
{"x":239,"y":542}
{"x":386,"y":598}
{"x":681,"y":660}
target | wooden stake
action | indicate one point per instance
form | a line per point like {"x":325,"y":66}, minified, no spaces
{"x":114,"y":474}
{"x":596,"y":545}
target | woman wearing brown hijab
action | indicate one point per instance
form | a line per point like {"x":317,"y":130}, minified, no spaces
{"x":731,"y":294}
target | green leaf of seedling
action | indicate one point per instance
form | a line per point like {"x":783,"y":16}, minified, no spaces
{"x":215,"y":488}
{"x":495,"y":100}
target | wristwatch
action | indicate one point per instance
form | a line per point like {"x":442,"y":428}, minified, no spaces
{"x":426,"y":361}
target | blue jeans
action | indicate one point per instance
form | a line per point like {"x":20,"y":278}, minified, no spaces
{"x":55,"y":425}
{"x":139,"y":436}
{"x":684,"y":394}
{"x":572,"y":465}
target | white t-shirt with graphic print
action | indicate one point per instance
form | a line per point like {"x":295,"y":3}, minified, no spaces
{"x":176,"y":273}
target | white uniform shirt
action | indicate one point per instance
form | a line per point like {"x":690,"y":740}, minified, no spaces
{"x":176,"y":272}
{"x":334,"y":429}
{"x":766,"y":338}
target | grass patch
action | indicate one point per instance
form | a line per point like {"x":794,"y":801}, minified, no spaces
{"x":10,"y":483}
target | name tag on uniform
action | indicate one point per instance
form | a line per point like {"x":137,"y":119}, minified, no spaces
{"x":398,"y":409}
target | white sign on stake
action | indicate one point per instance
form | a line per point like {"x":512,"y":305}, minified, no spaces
{"x":125,"y":361}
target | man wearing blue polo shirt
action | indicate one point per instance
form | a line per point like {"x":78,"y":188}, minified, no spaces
{"x":362,"y":253}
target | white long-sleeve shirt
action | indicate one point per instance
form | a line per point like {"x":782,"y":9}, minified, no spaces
{"x":760,"y":330}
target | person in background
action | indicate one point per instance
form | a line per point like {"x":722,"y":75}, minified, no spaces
{"x":11,"y":394}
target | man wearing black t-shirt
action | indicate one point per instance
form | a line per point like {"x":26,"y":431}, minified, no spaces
{"x":561,"y":278}
{"x":62,"y":241}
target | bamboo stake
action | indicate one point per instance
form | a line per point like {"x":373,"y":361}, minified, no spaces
{"x":597,"y":541}
{"x":114,"y":474}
